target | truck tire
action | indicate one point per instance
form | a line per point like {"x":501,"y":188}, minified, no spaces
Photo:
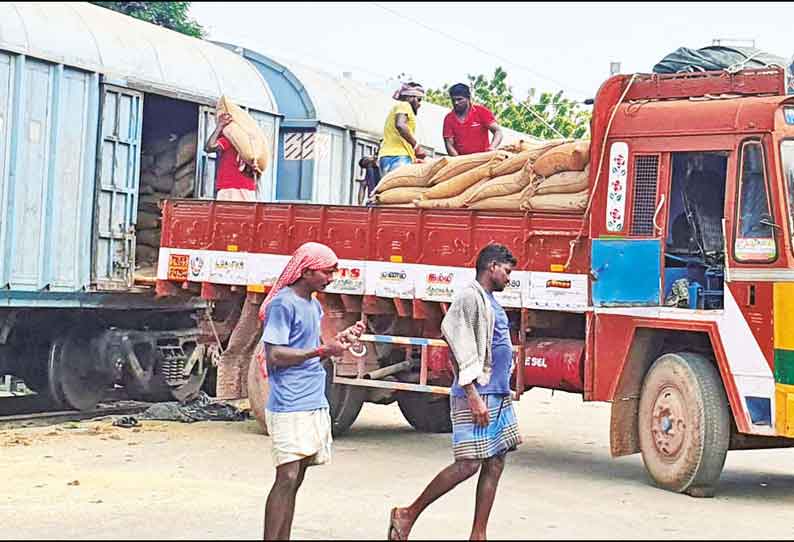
{"x":345,"y":402}
{"x":258,"y":392}
{"x":426,"y":412}
{"x":684,"y":424}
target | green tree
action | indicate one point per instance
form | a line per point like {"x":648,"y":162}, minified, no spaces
{"x":547,"y":115}
{"x":173,"y":15}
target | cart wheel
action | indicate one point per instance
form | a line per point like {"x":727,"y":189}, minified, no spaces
{"x":345,"y":401}
{"x":258,"y":392}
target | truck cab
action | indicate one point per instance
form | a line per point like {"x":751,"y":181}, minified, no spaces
{"x":697,"y":187}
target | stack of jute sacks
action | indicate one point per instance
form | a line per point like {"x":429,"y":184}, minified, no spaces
{"x":528,"y":176}
{"x":168,"y":170}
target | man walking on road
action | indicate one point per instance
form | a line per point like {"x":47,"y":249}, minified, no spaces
{"x":297,"y":410}
{"x":466,"y":127}
{"x":484,"y":426}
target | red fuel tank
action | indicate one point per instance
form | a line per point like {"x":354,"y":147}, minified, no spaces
{"x":556,"y":364}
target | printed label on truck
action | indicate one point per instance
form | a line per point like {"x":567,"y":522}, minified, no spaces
{"x":556,"y":291}
{"x":391,"y":280}
{"x":513,"y":294}
{"x":441,"y":283}
{"x":229,"y":269}
{"x":349,"y":279}
{"x":264,"y":269}
{"x":178,"y":266}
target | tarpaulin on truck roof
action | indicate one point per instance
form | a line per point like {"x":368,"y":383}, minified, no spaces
{"x":716,"y":57}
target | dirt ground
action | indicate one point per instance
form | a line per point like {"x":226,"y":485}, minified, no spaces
{"x":209,"y":481}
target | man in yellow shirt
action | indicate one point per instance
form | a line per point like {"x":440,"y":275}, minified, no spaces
{"x":399,"y":145}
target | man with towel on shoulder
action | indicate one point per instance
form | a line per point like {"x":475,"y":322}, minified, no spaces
{"x":297,"y":411}
{"x":399,"y":145}
{"x":484,"y":426}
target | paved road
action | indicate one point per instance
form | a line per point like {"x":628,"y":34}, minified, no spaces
{"x":209,"y":480}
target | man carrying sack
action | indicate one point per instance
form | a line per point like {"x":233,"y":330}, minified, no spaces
{"x":235,"y":180}
{"x":297,"y":411}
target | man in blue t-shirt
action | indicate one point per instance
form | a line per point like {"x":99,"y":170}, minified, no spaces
{"x":297,"y":413}
{"x":484,"y":426}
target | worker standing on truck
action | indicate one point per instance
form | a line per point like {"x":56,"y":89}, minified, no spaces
{"x":399,"y":145}
{"x":297,"y":411}
{"x":484,"y":426}
{"x":235,"y":179}
{"x":466,"y":127}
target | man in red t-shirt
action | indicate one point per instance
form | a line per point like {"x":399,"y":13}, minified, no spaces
{"x":466,"y":127}
{"x":235,"y":180}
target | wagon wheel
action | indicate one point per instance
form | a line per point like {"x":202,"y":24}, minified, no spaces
{"x":76,"y":376}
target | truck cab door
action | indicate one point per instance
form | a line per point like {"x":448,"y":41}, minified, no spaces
{"x":118,"y":176}
{"x":626,"y":259}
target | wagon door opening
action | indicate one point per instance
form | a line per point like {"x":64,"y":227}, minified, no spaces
{"x":169,"y":147}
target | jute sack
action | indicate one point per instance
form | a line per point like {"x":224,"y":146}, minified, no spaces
{"x":458,"y":184}
{"x":145,"y":253}
{"x":510,"y":202}
{"x":556,"y":202}
{"x":147,"y":221}
{"x":565,"y":182}
{"x":147,"y":162}
{"x":245,"y":135}
{"x":151,"y":198}
{"x":164,"y":163}
{"x":149,"y":237}
{"x":567,"y":157}
{"x":505,"y":185}
{"x":410,"y":175}
{"x":459,"y":164}
{"x":455,"y":202}
{"x":183,"y":186}
{"x":517,"y":146}
{"x":403,"y":194}
{"x":160,"y":183}
{"x":510,"y":165}
{"x":186,"y":149}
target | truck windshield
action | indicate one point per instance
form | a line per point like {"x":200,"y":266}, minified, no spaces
{"x":787,"y":154}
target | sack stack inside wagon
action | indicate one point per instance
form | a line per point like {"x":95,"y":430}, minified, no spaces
{"x":168,"y":170}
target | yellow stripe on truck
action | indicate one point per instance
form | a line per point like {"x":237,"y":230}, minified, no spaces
{"x":784,"y":410}
{"x":784,"y":315}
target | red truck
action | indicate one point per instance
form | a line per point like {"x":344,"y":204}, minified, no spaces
{"x":671,"y":296}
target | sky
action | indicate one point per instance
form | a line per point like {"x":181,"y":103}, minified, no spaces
{"x":547,"y":46}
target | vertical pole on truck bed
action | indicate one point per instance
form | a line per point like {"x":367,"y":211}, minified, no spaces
{"x":522,"y":353}
{"x":360,"y":367}
{"x":423,"y":367}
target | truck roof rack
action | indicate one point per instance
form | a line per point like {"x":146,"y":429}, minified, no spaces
{"x":748,"y":82}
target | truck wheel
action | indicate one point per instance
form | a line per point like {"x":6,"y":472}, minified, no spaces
{"x":684,"y":424}
{"x":426,"y":412}
{"x":345,"y":401}
{"x":258,"y":392}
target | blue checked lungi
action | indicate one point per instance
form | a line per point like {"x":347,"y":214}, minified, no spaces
{"x":470,"y":441}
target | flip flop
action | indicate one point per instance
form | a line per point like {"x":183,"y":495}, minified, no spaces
{"x":393,"y":528}
{"x":126,"y":422}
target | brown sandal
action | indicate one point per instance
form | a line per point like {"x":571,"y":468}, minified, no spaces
{"x":393,"y":528}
